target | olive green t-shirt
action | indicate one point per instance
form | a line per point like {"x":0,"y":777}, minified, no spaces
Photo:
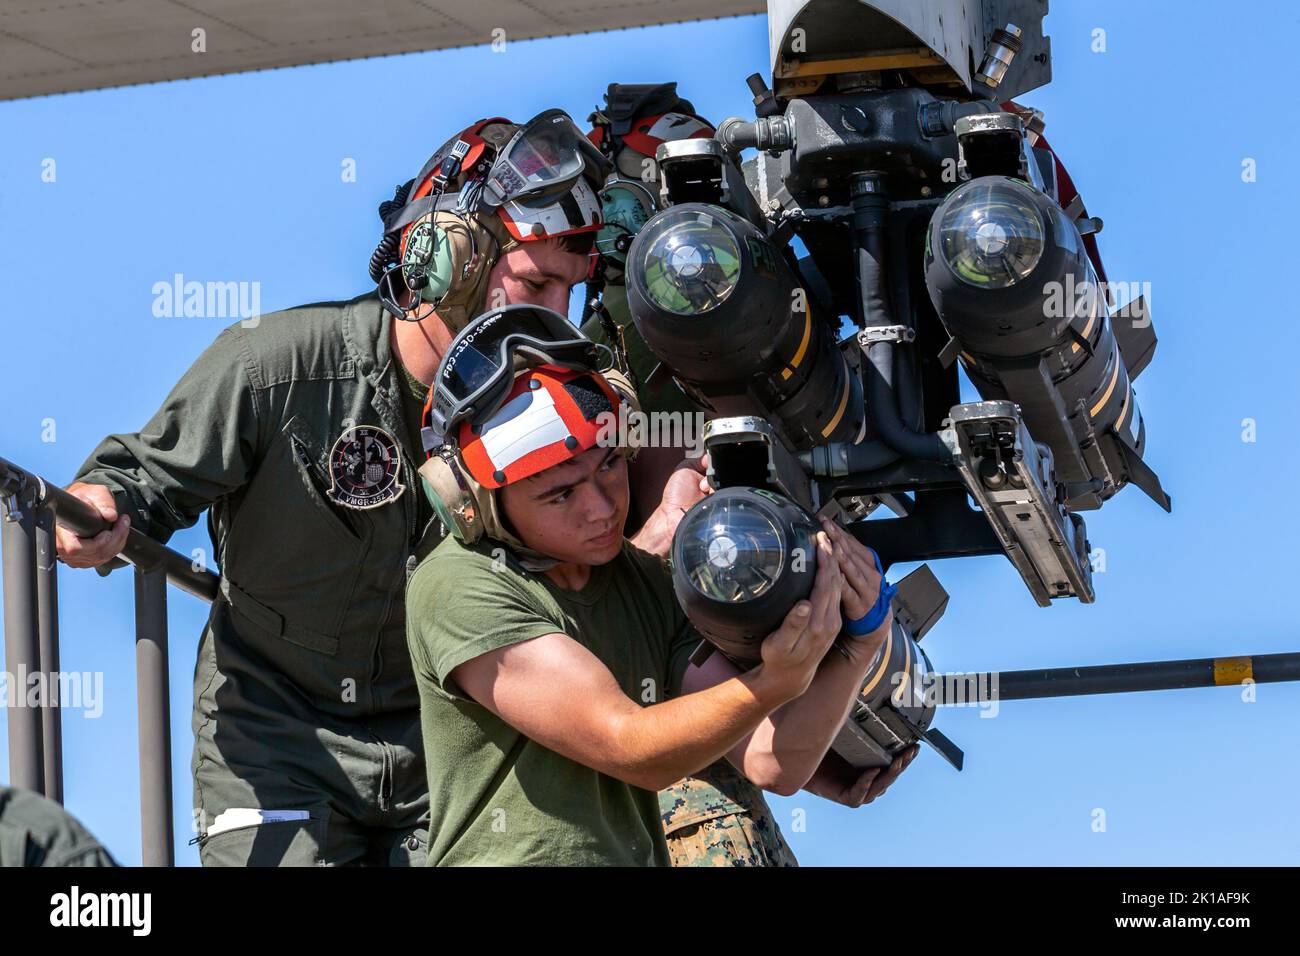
{"x":720,"y":789}
{"x":497,"y":797}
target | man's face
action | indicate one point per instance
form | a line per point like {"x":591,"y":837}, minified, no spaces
{"x":536,"y":273}
{"x":573,"y":512}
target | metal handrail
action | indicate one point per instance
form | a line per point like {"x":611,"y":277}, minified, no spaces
{"x":31,"y":506}
{"x":140,"y":549}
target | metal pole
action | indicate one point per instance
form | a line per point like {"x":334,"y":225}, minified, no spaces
{"x":47,"y":613}
{"x":1122,"y":678}
{"x":22,"y":647}
{"x":140,"y":549}
{"x":155,"y":728}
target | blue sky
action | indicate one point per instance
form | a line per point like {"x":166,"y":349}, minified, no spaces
{"x":239,"y":179}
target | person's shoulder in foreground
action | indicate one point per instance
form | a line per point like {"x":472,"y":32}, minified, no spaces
{"x":36,"y":831}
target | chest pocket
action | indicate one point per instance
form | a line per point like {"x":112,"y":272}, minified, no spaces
{"x":349,"y":523}
{"x":293,"y":554}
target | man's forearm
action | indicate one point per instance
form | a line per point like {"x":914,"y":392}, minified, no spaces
{"x":659,"y":745}
{"x":785,"y":751}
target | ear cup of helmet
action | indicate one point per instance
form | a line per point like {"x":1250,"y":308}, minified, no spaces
{"x":622,"y":387}
{"x":450,"y":257}
{"x":466,"y":509}
{"x":451,"y":492}
{"x":429,"y":257}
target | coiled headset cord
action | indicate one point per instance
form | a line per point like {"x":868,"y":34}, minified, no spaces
{"x":385,"y":253}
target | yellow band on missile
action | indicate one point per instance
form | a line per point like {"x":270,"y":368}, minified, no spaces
{"x":1114,"y":377}
{"x":1232,"y":670}
{"x":1087,"y":331}
{"x":883,"y":668}
{"x":1128,"y":396}
{"x":839,"y":412}
{"x":803,"y":346}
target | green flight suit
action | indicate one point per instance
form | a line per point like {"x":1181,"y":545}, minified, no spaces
{"x":306,"y":717}
{"x":36,"y":831}
{"x":717,"y":817}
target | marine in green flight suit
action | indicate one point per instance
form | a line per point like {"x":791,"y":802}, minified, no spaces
{"x":292,"y":431}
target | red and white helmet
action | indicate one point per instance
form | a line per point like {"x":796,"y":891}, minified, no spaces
{"x":491,"y":186}
{"x":551,"y":415}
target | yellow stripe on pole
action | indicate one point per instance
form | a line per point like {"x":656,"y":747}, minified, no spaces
{"x":1232,"y":670}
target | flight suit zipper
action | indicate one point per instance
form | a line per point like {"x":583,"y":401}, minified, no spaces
{"x":410,"y":511}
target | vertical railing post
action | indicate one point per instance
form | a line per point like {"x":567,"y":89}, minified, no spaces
{"x":22,"y":646}
{"x":47,"y":617}
{"x":155,"y":726}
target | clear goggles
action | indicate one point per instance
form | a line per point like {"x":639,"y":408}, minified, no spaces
{"x":541,"y":162}
{"x":481,"y":363}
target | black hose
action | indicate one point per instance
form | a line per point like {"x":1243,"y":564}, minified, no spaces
{"x":870,"y":210}
{"x":884,"y":408}
{"x":842,"y":458}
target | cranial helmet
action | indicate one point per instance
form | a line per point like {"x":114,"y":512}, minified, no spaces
{"x":492,"y":186}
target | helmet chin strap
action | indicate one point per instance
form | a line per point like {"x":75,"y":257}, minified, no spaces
{"x":534,"y":561}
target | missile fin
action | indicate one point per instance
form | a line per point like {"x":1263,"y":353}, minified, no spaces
{"x":948,"y":750}
{"x":1140,"y":473}
{"x":1135,"y":334}
{"x":948,"y":354}
{"x":919,"y":602}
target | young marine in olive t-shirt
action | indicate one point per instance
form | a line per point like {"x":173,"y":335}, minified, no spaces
{"x":556,"y":690}
{"x":500,"y":797}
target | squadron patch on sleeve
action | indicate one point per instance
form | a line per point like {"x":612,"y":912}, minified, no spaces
{"x":365,"y":465}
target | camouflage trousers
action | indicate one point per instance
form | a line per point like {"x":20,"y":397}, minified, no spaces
{"x":719,"y":818}
{"x":741,"y":839}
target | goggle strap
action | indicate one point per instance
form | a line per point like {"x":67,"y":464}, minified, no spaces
{"x":614,"y":332}
{"x":419,"y":208}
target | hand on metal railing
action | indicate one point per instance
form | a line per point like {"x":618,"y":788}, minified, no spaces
{"x":89,"y":552}
{"x":82,"y":515}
